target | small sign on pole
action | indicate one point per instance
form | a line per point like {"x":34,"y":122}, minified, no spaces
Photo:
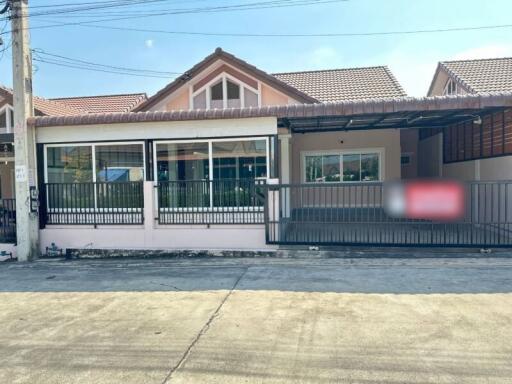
{"x":21,"y":173}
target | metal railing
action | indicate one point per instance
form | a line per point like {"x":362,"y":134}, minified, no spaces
{"x":353,"y":214}
{"x":7,"y":220}
{"x":94,"y":203}
{"x":225,"y":201}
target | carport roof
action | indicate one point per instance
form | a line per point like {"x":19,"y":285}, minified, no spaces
{"x":399,"y":112}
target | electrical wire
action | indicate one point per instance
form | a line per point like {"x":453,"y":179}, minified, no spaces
{"x":41,"y":54}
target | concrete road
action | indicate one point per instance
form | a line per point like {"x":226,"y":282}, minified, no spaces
{"x":257,"y":321}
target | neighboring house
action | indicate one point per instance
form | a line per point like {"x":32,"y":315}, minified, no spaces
{"x":481,"y":147}
{"x":229,"y":157}
{"x":51,"y":107}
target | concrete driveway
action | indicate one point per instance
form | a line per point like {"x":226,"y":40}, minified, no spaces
{"x":257,"y":321}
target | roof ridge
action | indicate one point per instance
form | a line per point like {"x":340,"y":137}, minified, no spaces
{"x":481,"y":59}
{"x":57,"y":103}
{"x":92,"y":96}
{"x":329,"y":70}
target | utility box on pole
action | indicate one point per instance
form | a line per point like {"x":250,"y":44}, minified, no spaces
{"x":27,"y":223}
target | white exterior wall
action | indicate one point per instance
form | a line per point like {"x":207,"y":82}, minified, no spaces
{"x":151,"y":235}
{"x":384,"y":141}
{"x":493,"y":169}
{"x":195,"y":129}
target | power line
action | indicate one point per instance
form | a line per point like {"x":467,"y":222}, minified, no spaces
{"x":154,"y":12}
{"x":334,"y":34}
{"x":236,"y":7}
{"x":70,"y":65}
{"x":65,"y":59}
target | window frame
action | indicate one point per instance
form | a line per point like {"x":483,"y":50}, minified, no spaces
{"x":93,"y":146}
{"x":450,"y":84}
{"x":210,"y":150}
{"x":224,"y":77}
{"x":380,"y":152}
{"x":9,"y":125}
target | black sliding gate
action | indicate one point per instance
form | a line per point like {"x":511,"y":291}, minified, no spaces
{"x":353,"y":214}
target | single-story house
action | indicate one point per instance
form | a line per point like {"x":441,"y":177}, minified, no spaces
{"x":229,"y":157}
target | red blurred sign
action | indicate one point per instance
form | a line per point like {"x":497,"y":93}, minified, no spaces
{"x":434,"y":200}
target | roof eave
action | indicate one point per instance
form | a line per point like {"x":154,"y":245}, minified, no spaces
{"x":348,"y":108}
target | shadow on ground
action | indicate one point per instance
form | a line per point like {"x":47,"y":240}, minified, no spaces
{"x":408,"y":276}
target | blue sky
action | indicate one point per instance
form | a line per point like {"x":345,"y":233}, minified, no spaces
{"x":412,"y":58}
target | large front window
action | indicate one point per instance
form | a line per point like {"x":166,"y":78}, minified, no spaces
{"x":342,"y":167}
{"x":210,"y":173}
{"x":94,"y":178}
{"x":110,"y":162}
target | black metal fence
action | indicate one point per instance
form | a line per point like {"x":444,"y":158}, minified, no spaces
{"x":94,"y":203}
{"x":7,"y":220}
{"x":353,"y":214}
{"x":225,"y":201}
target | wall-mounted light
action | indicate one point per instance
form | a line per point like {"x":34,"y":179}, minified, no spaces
{"x":477,"y":120}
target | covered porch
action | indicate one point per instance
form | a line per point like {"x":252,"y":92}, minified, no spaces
{"x":334,"y":176}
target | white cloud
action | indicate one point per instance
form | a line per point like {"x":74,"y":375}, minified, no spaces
{"x":149,"y":43}
{"x":325,"y":57}
{"x":485,"y":52}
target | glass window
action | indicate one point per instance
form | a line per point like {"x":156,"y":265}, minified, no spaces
{"x":245,"y":159}
{"x":123,"y":162}
{"x":233,"y":90}
{"x":352,"y":167}
{"x":369,"y":167}
{"x":69,"y":164}
{"x":3,"y":120}
{"x":182,"y":161}
{"x":314,"y":169}
{"x":251,"y":98}
{"x":331,"y":167}
{"x":217,"y":96}
{"x":200,"y":100}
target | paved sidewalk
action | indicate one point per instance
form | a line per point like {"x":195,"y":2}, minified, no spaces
{"x":257,"y":321}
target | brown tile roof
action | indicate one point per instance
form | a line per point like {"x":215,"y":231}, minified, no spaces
{"x":70,"y":106}
{"x":482,"y":75}
{"x":343,"y":108}
{"x":104,"y":103}
{"x":236,"y":62}
{"x":44,"y":106}
{"x":345,"y":84}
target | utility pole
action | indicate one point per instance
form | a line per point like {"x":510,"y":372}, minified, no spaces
{"x":27,"y":224}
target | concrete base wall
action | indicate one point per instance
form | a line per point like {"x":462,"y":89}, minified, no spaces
{"x":249,"y":237}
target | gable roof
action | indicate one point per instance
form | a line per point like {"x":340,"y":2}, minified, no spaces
{"x":104,"y":103}
{"x":44,"y":106}
{"x":480,"y":75}
{"x":237,"y":63}
{"x":345,"y":84}
{"x":70,"y":106}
